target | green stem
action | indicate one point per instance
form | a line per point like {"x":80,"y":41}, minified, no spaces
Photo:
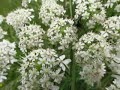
{"x":64,"y":4}
{"x":71,"y":9}
{"x":72,"y":70}
{"x":72,"y":54}
{"x":99,"y":86}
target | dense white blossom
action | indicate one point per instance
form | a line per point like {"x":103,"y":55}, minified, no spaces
{"x":19,"y":18}
{"x":84,"y":8}
{"x":91,"y":10}
{"x":90,"y":54}
{"x":81,"y":8}
{"x":93,"y":72}
{"x":112,"y":27}
{"x":50,"y":10}
{"x":44,"y":69}
{"x":115,"y":68}
{"x":30,"y":37}
{"x":7,"y":57}
{"x":98,"y":18}
{"x":62,"y":31}
{"x":112,"y":23}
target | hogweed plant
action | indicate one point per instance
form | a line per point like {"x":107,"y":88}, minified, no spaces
{"x":61,"y":45}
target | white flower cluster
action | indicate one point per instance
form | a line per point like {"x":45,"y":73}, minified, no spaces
{"x":93,"y":73}
{"x":97,"y":18}
{"x":44,"y":69}
{"x":111,"y":33}
{"x":85,"y":7}
{"x":112,"y":27}
{"x":90,"y":54}
{"x":2,"y":33}
{"x":91,"y":10}
{"x":112,"y":23}
{"x":81,"y":8}
{"x":50,"y":10}
{"x":30,"y":37}
{"x":19,"y":18}
{"x":7,"y":57}
{"x":62,"y":31}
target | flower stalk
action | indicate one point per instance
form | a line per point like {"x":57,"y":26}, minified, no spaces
{"x":71,"y":11}
{"x":72,"y":54}
{"x":72,"y":70}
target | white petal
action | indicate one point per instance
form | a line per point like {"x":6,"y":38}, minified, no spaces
{"x":58,"y":71}
{"x":67,"y":61}
{"x":62,"y":57}
{"x":2,"y":78}
{"x":62,"y":66}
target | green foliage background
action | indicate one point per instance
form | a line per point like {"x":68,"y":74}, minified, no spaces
{"x":8,"y":5}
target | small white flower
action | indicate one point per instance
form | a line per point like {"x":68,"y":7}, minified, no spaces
{"x":63,"y":62}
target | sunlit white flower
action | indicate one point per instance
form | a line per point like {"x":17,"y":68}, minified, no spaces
{"x":19,"y":18}
{"x":30,"y":37}
{"x":63,"y":32}
{"x":112,"y":23}
{"x":50,"y":10}
{"x":90,"y":54}
{"x":43,"y":61}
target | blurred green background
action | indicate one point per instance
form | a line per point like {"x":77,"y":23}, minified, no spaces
{"x":8,"y":5}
